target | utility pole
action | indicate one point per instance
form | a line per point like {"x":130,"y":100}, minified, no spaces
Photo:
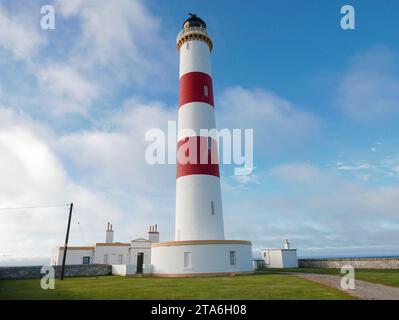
{"x":66,"y":242}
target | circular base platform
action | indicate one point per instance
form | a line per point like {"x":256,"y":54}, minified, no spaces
{"x":201,"y":258}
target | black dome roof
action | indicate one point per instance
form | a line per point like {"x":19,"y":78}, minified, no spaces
{"x":194,"y":21}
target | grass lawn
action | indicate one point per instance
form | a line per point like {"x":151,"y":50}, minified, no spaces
{"x":389,"y":277}
{"x":263,"y":286}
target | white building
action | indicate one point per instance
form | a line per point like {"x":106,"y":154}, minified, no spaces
{"x":280,"y":258}
{"x":136,"y":254}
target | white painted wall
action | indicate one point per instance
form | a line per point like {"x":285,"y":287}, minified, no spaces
{"x":280,"y":258}
{"x":290,"y":259}
{"x":134,"y":252}
{"x":207,"y":258}
{"x":73,"y":256}
{"x":123,"y":269}
{"x":194,"y":218}
{"x":129,"y":254}
{"x":195,"y":116}
{"x":113,"y":253}
{"x":195,"y":56}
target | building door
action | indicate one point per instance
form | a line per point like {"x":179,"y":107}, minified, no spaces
{"x":140,"y":260}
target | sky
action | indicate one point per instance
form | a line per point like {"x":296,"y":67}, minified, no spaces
{"x":77,"y":101}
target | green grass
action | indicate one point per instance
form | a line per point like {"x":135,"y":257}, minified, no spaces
{"x":264,"y":286}
{"x":389,"y":277}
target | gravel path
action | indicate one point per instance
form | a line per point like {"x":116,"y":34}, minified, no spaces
{"x":363,"y":290}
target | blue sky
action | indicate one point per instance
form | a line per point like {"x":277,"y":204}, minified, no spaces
{"x":76,"y":102}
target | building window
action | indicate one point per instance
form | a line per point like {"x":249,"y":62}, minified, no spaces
{"x":187,"y":46}
{"x":212,"y":208}
{"x":86,"y":260}
{"x":120,"y":258}
{"x":232,"y":258}
{"x":105,"y":259}
{"x":206,"y":93}
{"x":187,"y":260}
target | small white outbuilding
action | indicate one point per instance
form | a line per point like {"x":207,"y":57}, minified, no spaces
{"x":280,"y":258}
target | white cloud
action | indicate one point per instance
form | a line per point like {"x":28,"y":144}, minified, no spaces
{"x":247,"y":179}
{"x":98,"y":49}
{"x":390,"y":164}
{"x":32,"y":174}
{"x":363,"y":166}
{"x":113,"y":154}
{"x":277,"y":122}
{"x":369,"y":88}
{"x":65,"y":90}
{"x":320,"y":211}
{"x":111,"y":158}
{"x":19,"y":35}
{"x":123,"y":38}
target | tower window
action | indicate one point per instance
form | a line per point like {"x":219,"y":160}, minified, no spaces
{"x":232,"y":258}
{"x":212,"y":208}
{"x":187,"y":46}
{"x":206,"y":93}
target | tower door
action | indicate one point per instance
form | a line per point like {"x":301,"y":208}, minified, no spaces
{"x":140,"y":260}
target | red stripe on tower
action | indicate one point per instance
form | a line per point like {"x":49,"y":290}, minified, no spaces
{"x":195,"y":87}
{"x":197,"y":155}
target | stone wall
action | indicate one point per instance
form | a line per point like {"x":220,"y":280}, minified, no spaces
{"x":366,"y":263}
{"x":33,"y":272}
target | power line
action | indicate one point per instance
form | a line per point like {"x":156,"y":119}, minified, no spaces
{"x":35,"y":207}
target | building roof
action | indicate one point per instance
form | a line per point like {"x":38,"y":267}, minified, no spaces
{"x":194,"y":21}
{"x":198,"y":242}
{"x":77,"y":248}
{"x":112,"y":244}
{"x":141,"y":240}
{"x":282,"y":249}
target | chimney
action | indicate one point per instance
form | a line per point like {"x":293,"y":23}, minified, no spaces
{"x":153,"y":234}
{"x":109,"y":234}
{"x":286,"y":244}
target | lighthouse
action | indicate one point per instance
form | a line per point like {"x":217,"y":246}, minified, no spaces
{"x":199,"y":214}
{"x":199,"y":247}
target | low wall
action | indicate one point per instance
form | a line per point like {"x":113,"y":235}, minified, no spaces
{"x":126,"y":270}
{"x":123,"y":269}
{"x":33,"y":272}
{"x":366,"y":263}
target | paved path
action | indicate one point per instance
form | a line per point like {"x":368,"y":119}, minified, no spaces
{"x":363,"y":290}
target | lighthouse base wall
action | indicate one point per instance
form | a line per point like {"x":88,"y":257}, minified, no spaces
{"x":201,"y":258}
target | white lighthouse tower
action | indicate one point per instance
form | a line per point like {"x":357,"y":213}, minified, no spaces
{"x":199,"y":214}
{"x":200,"y":247}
